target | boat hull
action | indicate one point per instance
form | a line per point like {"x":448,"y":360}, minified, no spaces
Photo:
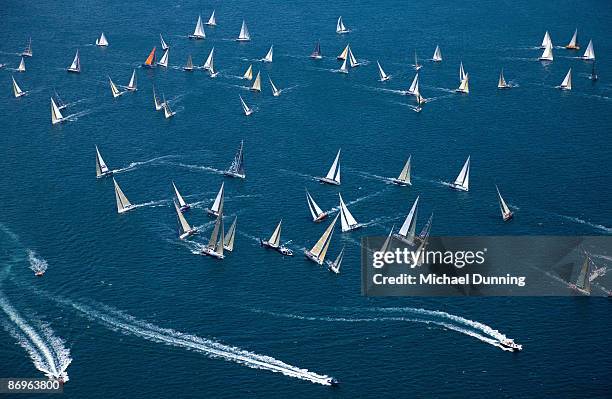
{"x":72,"y":70}
{"x":353,"y":227}
{"x":576,"y":47}
{"x":320,"y":218}
{"x":196,"y":37}
{"x":210,"y":252}
{"x":105,"y":174}
{"x":185,"y":208}
{"x":188,"y":234}
{"x":309,"y":255}
{"x":280,"y":249}
{"x":385,"y":78}
{"x":328,"y":181}
{"x":126,"y":209}
{"x":212,"y":213}
{"x":458,"y":187}
{"x":316,"y":57}
{"x":399,"y":182}
{"x":508,"y":216}
{"x":243,"y":40}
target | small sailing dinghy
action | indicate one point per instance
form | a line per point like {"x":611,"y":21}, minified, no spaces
{"x":56,"y":115}
{"x":27,"y":51}
{"x":123,"y":204}
{"x":546,"y":42}
{"x":168,"y":113}
{"x":274,"y":241}
{"x":505,"y":211}
{"x":462,"y":182}
{"x":383,"y":77}
{"x":212,"y":21}
{"x":256,"y":86}
{"x":573,"y":43}
{"x":22,"y":66}
{"x":75,"y":67}
{"x":416,"y":64}
{"x":102,"y":169}
{"x":236,"y":169}
{"x":567,"y":81}
{"x":316,"y":53}
{"x":318,"y":252}
{"x":164,"y":59}
{"x":245,"y":108}
{"x":275,"y":91}
{"x":150,"y":61}
{"x":583,"y":282}
{"x":17,"y":92}
{"x":589,"y":54}
{"x":248,"y":75}
{"x":244,"y":35}
{"x":217,"y":203}
{"x":164,"y":45}
{"x":593,"y":76}
{"x":230,"y":237}
{"x":159,"y":105}
{"x":340,"y":28}
{"x":404,"y":177}
{"x":316,"y":212}
{"x":133,"y":85}
{"x":352,"y":59}
{"x":344,"y":67}
{"x":184,"y":228}
{"x":183,"y":205}
{"x":215,"y":245}
{"x":333,"y":175}
{"x":101,"y":41}
{"x":464,"y":87}
{"x":268,"y":57}
{"x":407,"y":233}
{"x":189,"y":65}
{"x":346,"y":217}
{"x":437,"y":56}
{"x":209,"y":61}
{"x":343,"y":55}
{"x":414,"y":86}
{"x":547,"y":55}
{"x":501,"y":83}
{"x":114,"y":90}
{"x":335,"y":265}
{"x":198,"y":32}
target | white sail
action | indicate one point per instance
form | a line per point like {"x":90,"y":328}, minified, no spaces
{"x":212,"y":21}
{"x":244,"y":35}
{"x":567,"y":82}
{"x":248,"y":75}
{"x":275,"y":91}
{"x":340,"y":28}
{"x":344,"y":53}
{"x":414,"y":86}
{"x":56,"y":115}
{"x":464,"y":87}
{"x":573,"y":43}
{"x":211,"y":70}
{"x":22,"y":66}
{"x":179,"y":197}
{"x":416,"y":65}
{"x":348,"y":221}
{"x":274,"y":240}
{"x":334,"y":171}
{"x":589,"y":54}
{"x":247,"y":111}
{"x":114,"y":89}
{"x":164,"y":59}
{"x":164,"y":45}
{"x":344,"y":67}
{"x":76,"y":64}
{"x":315,"y":210}
{"x":404,"y":175}
{"x":133,"y":85}
{"x":322,"y":245}
{"x":159,"y":105}
{"x":335,"y":266}
{"x":462,"y":181}
{"x":168,"y":113}
{"x":215,"y":243}
{"x":218,"y":199}
{"x":209,"y":61}
{"x":257,"y":83}
{"x":383,"y":76}
{"x":501,"y":84}
{"x":27,"y":52}
{"x":123,"y":204}
{"x":352,"y":59}
{"x":228,"y":241}
{"x":461,"y":72}
{"x":17,"y":92}
{"x":437,"y":56}
{"x":198,"y":32}
{"x":101,"y":168}
{"x":268,"y":57}
{"x":506,"y":213}
{"x":547,"y":55}
{"x":408,"y":229}
{"x":546,"y":42}
{"x":184,"y":227}
{"x":102,"y":42}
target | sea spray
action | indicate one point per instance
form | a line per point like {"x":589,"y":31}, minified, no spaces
{"x":37,"y":264}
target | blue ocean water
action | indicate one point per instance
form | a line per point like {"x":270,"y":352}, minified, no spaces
{"x":120,"y":289}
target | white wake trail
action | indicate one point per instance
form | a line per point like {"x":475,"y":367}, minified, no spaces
{"x":135,"y":165}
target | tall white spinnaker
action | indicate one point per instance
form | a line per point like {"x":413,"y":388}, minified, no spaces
{"x":208,"y":64}
{"x":589,"y":53}
{"x":316,"y":212}
{"x":547,"y":41}
{"x":168,"y":113}
{"x":346,"y":217}
{"x":573,"y":43}
{"x":464,"y":87}
{"x":212,"y":21}
{"x":183,"y":205}
{"x":215,"y":245}
{"x":414,"y":86}
{"x":17,"y":92}
{"x":344,"y":54}
{"x":547,"y":55}
{"x":501,"y":83}
{"x":164,"y":59}
{"x":248,"y":75}
{"x":230,"y":236}
{"x":245,"y":108}
{"x":123,"y":204}
{"x":159,"y":105}
{"x":462,"y":182}
{"x":340,"y":28}
{"x":408,"y":230}
{"x":318,"y":252}
{"x":163,"y":43}
{"x":275,"y":91}
{"x":133,"y":85}
{"x":437,"y":56}
{"x":76,"y":64}
{"x":101,"y":41}
{"x":198,"y":32}
{"x":505,"y":211}
{"x":567,"y":81}
{"x":381,"y":74}
{"x":27,"y":51}
{"x":256,"y":86}
{"x":352,"y":60}
{"x":218,"y":202}
{"x":22,"y":65}
{"x":189,"y":65}
{"x":335,"y":265}
{"x":404,"y":177}
{"x":114,"y":90}
{"x":102,"y":169}
{"x":333,"y":175}
{"x":56,"y":115}
{"x":244,"y":35}
{"x":236,"y":169}
{"x":184,"y":228}
{"x":269,"y":55}
{"x":461,"y":72}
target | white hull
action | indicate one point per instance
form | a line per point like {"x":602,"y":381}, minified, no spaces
{"x":188,"y":234}
{"x":212,"y":213}
{"x":232,"y":174}
{"x":353,"y":227}
{"x":457,"y":187}
{"x":197,"y":37}
{"x":313,"y":258}
{"x":328,"y":181}
{"x":127,"y":208}
{"x":211,"y":252}
{"x":320,"y":218}
{"x":243,"y":40}
{"x":400,"y":182}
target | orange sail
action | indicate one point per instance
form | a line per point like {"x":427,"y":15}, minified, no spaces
{"x":150,"y":59}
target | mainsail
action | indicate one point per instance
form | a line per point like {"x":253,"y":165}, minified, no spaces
{"x":462,"y":182}
{"x":346,"y":218}
{"x":461,"y":72}
{"x":123,"y":204}
{"x":416,"y":65}
{"x":404,"y":176}
{"x":212,"y":21}
{"x":248,"y":75}
{"x":168,"y":113}
{"x":218,"y":203}
{"x":335,"y":266}
{"x":546,"y":42}
{"x":275,"y":91}
{"x":236,"y":169}
{"x":159,"y":105}
{"x":343,"y":67}
{"x":274,"y":240}
{"x":164,"y":59}
{"x":76,"y":64}
{"x":150,"y":61}
{"x":414,"y":86}
{"x":334,"y":172}
{"x":179,"y":197}
{"x":437,"y":56}
{"x":505,"y":211}
{"x":228,"y":241}
{"x":315,"y":211}
{"x":584,"y":282}
{"x":589,"y":54}
{"x":56,"y":115}
{"x":244,"y":35}
{"x":102,"y":42}
{"x":408,"y":229}
{"x":209,"y":61}
{"x":344,"y":53}
{"x":464,"y":87}
{"x":352,"y":59}
{"x":245,"y":108}
{"x":318,"y":252}
{"x":114,"y":89}
{"x":22,"y":66}
{"x":257,"y":83}
{"x":184,"y":228}
{"x":383,"y":76}
{"x":547,"y":55}
{"x":16,"y":89}
{"x":101,"y":168}
{"x":189,"y":65}
{"x":268,"y":57}
{"x":567,"y":81}
{"x":340,"y":28}
{"x":387,"y":242}
{"x":198,"y":32}
{"x":215,"y":244}
{"x":573,"y":44}
{"x":133,"y":85}
{"x":164,"y":45}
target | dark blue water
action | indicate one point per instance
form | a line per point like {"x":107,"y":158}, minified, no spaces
{"x":549,"y":151}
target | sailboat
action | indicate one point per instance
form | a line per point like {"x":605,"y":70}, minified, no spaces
{"x":416,"y":64}
{"x":333,"y":175}
{"x":404,"y":177}
{"x":501,"y":83}
{"x":123,"y":204}
{"x":546,"y":42}
{"x":217,"y":203}
{"x":133,"y":85}
{"x":343,"y":67}
{"x":116,"y":92}
{"x":17,"y":90}
{"x":164,"y":45}
{"x":275,"y":91}
{"x":236,"y":169}
{"x":102,"y":169}
{"x":185,"y":230}
{"x":387,"y":242}
{"x":343,"y":55}
{"x":567,"y":81}
{"x":56,"y":115}
{"x":316,"y":212}
{"x":589,"y":54}
{"x":268,"y":57}
{"x":274,"y":241}
{"x":340,"y":28}
{"x":164,"y":59}
{"x":346,"y":217}
{"x":352,"y":59}
{"x":209,"y":61}
{"x":547,"y":55}
{"x":159,"y":105}
{"x":198,"y":32}
{"x":244,"y":35}
{"x":583,"y":282}
{"x":212,"y":21}
{"x":462,"y":182}
{"x":381,"y":74}
{"x":316,"y":53}
{"x":22,"y":66}
{"x":211,"y":71}
{"x":150,"y":61}
{"x":407,"y":233}
{"x":593,"y":76}
{"x":215,"y":245}
{"x":414,"y":86}
{"x":461,"y":72}
{"x":101,"y":41}
{"x":573,"y":43}
{"x":256,"y":86}
{"x":437,"y":56}
{"x":189,"y":65}
{"x":183,"y":205}
{"x":230,"y":237}
{"x":245,"y":108}
{"x":505,"y":211}
{"x":335,"y":265}
{"x":76,"y":64}
{"x":464,"y":87}
{"x":318,"y":252}
{"x":27,"y":52}
{"x":248,"y":75}
{"x":168,"y":113}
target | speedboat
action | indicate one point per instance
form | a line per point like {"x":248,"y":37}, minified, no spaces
{"x":332,"y":381}
{"x":509,"y":343}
